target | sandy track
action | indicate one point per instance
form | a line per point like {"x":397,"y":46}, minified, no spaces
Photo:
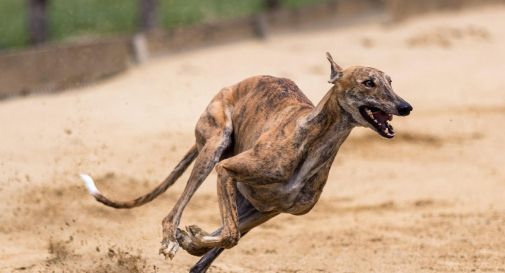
{"x":431,"y":200}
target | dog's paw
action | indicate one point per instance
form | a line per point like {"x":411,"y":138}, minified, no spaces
{"x":169,"y":248}
{"x":186,"y":241}
{"x":196,"y":231}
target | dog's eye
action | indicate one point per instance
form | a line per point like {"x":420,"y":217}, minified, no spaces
{"x":369,"y":83}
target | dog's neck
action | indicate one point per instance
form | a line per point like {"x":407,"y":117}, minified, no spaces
{"x":329,"y":116}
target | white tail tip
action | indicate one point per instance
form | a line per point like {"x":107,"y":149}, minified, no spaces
{"x":90,"y":184}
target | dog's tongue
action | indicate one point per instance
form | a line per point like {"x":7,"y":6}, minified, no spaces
{"x":381,"y":117}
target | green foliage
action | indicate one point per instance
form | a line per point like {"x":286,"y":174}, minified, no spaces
{"x":77,"y":18}
{"x":300,"y":3}
{"x":91,"y":17}
{"x":184,"y":12}
{"x":12,"y":23}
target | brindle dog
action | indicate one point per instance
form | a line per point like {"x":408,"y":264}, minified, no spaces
{"x":272,"y":150}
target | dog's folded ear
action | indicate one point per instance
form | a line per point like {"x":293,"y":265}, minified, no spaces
{"x":336,"y":70}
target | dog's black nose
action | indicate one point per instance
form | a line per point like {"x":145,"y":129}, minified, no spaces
{"x":404,"y":109}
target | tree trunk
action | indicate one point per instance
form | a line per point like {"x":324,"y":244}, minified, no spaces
{"x":272,"y":4}
{"x":37,"y":21}
{"x":148,"y":14}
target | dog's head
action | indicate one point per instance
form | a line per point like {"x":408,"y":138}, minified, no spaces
{"x":366,"y":94}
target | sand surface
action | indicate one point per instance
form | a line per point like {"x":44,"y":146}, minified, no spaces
{"x":430,"y":200}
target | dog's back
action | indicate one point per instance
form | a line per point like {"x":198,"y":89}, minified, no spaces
{"x":261,"y":103}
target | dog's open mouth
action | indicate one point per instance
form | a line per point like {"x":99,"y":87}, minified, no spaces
{"x":379,"y":120}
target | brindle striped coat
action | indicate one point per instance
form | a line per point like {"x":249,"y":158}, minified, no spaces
{"x":272,"y":150}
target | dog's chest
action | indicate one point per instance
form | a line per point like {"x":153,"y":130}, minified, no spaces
{"x":311,"y":188}
{"x":295,"y":196}
{"x":298,"y":192}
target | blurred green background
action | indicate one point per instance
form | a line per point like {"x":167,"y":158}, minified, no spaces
{"x":83,"y":18}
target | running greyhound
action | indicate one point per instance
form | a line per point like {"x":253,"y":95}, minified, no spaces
{"x":272,"y":150}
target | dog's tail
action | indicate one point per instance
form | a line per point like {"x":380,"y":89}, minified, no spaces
{"x":161,"y":188}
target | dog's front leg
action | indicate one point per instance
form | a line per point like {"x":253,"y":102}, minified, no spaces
{"x":249,"y":217}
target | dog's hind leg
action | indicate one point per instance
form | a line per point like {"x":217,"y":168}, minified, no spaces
{"x":204,"y":263}
{"x":213,"y":135}
{"x":249,"y":217}
{"x":210,"y":256}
